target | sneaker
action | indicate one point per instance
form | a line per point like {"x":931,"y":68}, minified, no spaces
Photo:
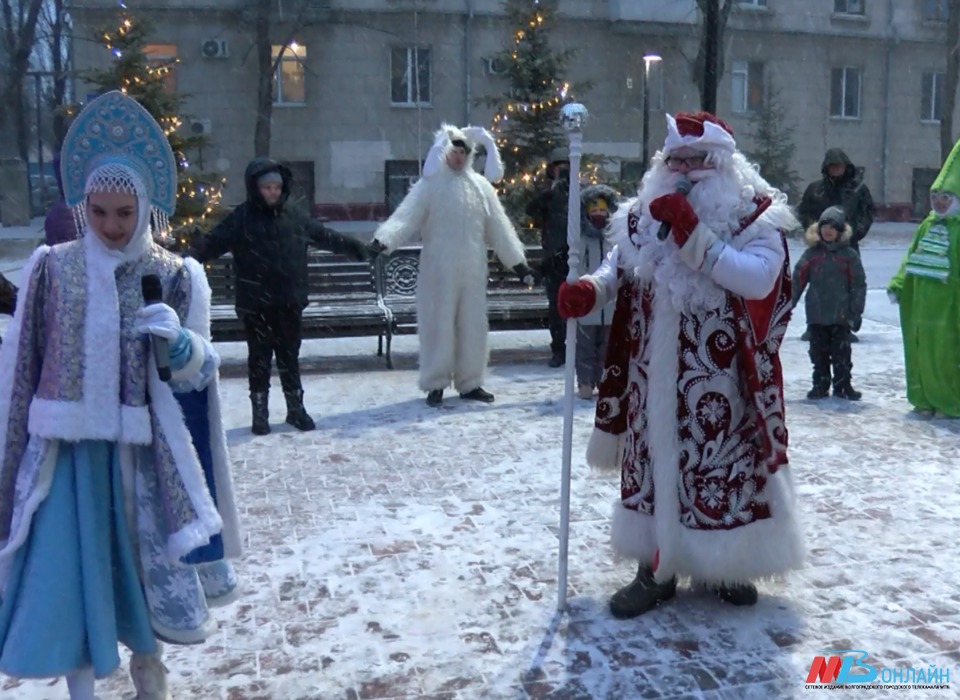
{"x":585,"y":391}
{"x":435,"y":398}
{"x":478,"y":394}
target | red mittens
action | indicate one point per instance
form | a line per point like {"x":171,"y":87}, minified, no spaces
{"x":675,"y":210}
{"x":577,"y":299}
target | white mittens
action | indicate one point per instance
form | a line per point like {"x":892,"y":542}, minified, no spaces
{"x":158,"y":319}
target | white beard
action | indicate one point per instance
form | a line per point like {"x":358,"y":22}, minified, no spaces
{"x":721,"y":199}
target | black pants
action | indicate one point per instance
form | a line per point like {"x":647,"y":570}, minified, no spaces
{"x":274,"y":330}
{"x":552,"y":280}
{"x":830,"y":347}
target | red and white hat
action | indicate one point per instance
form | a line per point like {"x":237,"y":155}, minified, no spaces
{"x":700,"y":130}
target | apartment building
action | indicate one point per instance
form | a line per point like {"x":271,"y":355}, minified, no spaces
{"x":363,"y":84}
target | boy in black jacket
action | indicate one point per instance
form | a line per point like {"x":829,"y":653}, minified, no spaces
{"x":269,"y":243}
{"x":832,"y":274}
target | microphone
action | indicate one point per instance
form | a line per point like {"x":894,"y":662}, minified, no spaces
{"x":683,"y":187}
{"x":153,"y":294}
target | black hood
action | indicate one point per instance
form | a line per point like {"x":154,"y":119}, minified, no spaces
{"x":834,"y":156}
{"x":262,"y":166}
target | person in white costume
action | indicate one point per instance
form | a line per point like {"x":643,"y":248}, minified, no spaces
{"x":116,"y":504}
{"x":458,"y":215}
{"x":691,"y":405}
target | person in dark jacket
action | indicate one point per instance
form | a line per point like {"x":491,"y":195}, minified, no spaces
{"x":836,"y":285}
{"x":549,"y":213}
{"x":59,"y":226}
{"x":8,"y":298}
{"x":841,"y":185}
{"x":269,"y":243}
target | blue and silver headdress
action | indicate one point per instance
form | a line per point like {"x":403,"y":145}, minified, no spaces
{"x":114,"y":145}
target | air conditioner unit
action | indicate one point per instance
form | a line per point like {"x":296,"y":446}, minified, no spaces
{"x":494,"y":65}
{"x":214,"y":48}
{"x":199,"y":127}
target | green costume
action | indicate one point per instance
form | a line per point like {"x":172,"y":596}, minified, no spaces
{"x":928,"y":288}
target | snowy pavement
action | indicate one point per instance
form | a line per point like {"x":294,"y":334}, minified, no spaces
{"x":407,"y":552}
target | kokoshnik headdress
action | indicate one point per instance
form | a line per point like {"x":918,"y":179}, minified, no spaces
{"x":114,"y":145}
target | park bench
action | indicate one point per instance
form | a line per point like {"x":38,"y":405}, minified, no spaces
{"x":355,"y":299}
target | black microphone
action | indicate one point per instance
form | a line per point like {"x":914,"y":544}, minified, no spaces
{"x":683,"y":187}
{"x":153,"y":294}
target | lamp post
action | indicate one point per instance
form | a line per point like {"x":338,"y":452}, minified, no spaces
{"x":573,"y":117}
{"x":647,"y":60}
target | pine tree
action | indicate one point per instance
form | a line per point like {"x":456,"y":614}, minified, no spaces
{"x":773,"y":145}
{"x":132,"y":71}
{"x":526,"y":123}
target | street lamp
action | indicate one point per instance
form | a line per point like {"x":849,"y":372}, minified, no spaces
{"x":647,"y":60}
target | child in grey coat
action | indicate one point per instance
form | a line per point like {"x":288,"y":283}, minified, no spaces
{"x":598,"y":203}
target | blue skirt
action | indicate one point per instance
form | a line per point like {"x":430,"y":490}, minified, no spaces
{"x":73,"y":591}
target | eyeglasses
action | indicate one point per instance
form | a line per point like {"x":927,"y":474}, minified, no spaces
{"x":692,"y":162}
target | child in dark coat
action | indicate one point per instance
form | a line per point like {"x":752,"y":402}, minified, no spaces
{"x":835,"y":299}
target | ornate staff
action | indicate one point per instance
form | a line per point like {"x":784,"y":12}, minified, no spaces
{"x":573,"y":116}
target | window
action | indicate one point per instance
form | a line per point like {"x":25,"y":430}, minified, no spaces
{"x":746,"y":80}
{"x":289,"y":84}
{"x":848,"y":7}
{"x":162,"y":58}
{"x":399,"y":176}
{"x":931,"y":101}
{"x":845,"y":92}
{"x":409,"y":75}
{"x":752,"y":3}
{"x":936,"y":10}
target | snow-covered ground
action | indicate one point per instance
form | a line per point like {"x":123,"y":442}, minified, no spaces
{"x":407,"y":552}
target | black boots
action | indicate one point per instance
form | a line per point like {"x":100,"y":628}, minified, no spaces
{"x":641,"y":594}
{"x":557,"y":359}
{"x":478,"y":394}
{"x":845,"y":391}
{"x":261,"y":414}
{"x":819,"y":391}
{"x":435,"y":397}
{"x":297,"y":415}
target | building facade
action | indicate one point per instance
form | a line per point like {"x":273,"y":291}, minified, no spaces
{"x":363,"y":84}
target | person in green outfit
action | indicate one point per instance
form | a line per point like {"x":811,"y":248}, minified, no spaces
{"x":927,"y":288}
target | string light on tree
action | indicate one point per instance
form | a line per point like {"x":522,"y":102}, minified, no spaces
{"x":146,"y":78}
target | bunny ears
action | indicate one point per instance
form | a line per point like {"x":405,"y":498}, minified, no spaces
{"x":472,"y":136}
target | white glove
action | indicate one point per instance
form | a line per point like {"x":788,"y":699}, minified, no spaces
{"x":158,"y":319}
{"x":894,"y":299}
{"x":478,"y":134}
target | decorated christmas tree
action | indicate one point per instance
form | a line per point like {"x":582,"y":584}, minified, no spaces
{"x":526,"y":122}
{"x":146,"y":78}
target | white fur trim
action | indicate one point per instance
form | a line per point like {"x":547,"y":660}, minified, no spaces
{"x":170,"y":416}
{"x":695,"y":249}
{"x":10,"y":348}
{"x":661,"y":412}
{"x":633,"y":534}
{"x":192,"y":367}
{"x":198,"y":322}
{"x":45,"y":454}
{"x":714,"y":137}
{"x":604,"y":450}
